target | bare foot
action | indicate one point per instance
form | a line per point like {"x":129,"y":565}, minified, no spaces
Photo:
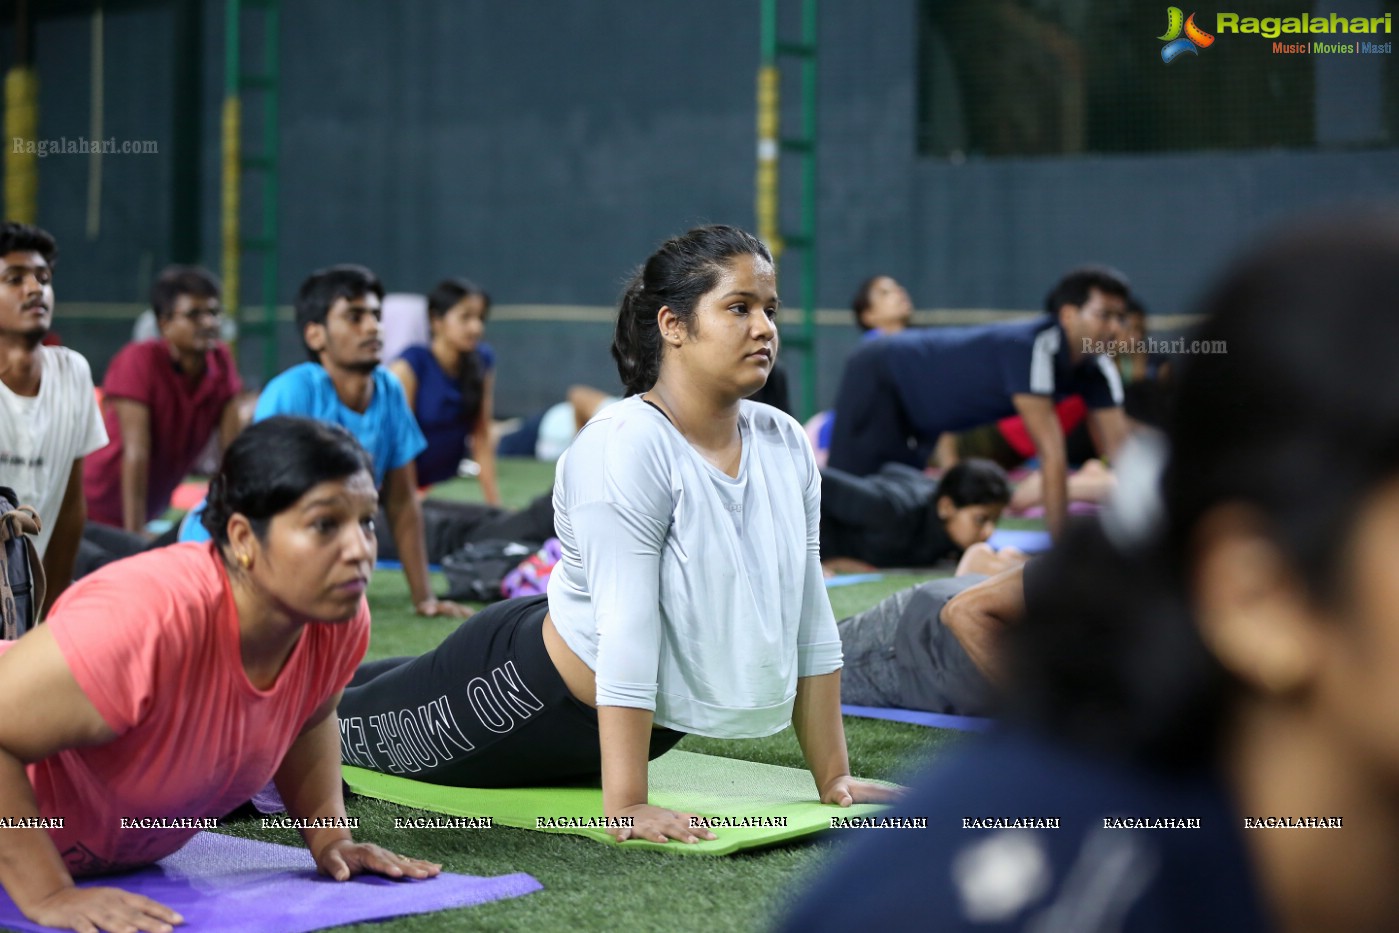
{"x":981,"y":558}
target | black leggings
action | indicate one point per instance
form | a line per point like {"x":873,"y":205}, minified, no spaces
{"x":486,"y":708}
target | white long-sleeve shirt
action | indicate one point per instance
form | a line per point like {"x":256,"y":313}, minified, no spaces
{"x":689,"y":592}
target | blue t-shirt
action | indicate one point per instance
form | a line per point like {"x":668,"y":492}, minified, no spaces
{"x":386,"y":429}
{"x":957,"y":378}
{"x":445,"y":416}
{"x":1115,"y":861}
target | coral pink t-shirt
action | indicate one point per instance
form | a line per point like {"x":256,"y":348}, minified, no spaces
{"x":153,"y":642}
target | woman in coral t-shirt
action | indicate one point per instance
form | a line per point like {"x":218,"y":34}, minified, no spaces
{"x":173,"y":685}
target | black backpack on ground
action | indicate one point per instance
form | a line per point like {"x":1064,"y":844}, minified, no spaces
{"x":21,"y":572}
{"x":476,"y":570}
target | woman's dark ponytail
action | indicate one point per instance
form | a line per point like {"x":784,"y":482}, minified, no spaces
{"x":636,"y":346}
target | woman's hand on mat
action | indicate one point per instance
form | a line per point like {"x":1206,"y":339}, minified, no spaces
{"x":657,"y":824}
{"x":344,"y":858}
{"x":845,"y":790}
{"x":434,"y":608}
{"x":88,"y":910}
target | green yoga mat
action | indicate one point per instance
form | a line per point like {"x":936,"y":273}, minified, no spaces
{"x":702,"y":784}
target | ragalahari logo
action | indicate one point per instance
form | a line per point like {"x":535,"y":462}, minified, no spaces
{"x":1176,"y":44}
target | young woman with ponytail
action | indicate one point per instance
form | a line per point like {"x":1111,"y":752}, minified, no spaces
{"x":449,"y":385}
{"x":689,"y":597}
{"x":1206,"y":688}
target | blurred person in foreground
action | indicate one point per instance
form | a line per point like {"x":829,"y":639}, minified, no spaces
{"x":1205,"y":690}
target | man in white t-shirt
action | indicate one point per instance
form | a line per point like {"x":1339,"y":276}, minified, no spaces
{"x":48,"y":410}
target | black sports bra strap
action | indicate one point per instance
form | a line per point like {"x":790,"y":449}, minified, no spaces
{"x":659,"y":409}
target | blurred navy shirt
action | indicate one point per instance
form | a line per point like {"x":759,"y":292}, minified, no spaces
{"x":976,"y":866}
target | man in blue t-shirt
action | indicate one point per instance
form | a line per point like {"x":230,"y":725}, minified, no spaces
{"x":337,"y":310}
{"x":903,"y":391}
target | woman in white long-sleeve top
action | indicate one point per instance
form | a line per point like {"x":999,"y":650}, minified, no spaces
{"x":689,"y":598}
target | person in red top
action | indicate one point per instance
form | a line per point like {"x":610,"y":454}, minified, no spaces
{"x":162,"y":401}
{"x":176,"y":683}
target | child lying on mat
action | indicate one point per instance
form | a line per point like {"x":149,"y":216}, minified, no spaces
{"x":900,"y":517}
{"x":689,"y":597}
{"x":170,"y":687}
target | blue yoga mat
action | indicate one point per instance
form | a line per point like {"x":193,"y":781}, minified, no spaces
{"x":398,"y":565}
{"x":223,"y":884}
{"x":1031,"y":542}
{"x":920,"y":718}
{"x":850,"y":579}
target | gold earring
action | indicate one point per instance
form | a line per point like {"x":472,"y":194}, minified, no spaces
{"x":245,"y":561}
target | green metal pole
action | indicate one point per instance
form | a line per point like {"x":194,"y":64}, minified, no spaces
{"x":271,"y":146}
{"x":767,"y":32}
{"x":771,"y":144}
{"x":809,"y":202}
{"x":232,"y":12}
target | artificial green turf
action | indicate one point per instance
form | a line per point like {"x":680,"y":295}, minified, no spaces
{"x":592,"y":887}
{"x":520,"y":481}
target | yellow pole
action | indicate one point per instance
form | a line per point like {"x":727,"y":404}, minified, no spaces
{"x":232,"y":126}
{"x":21,"y":153}
{"x":769,"y":231}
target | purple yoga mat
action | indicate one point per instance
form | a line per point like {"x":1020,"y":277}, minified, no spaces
{"x":1028,"y":540}
{"x":1075,"y":508}
{"x":223,"y":884}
